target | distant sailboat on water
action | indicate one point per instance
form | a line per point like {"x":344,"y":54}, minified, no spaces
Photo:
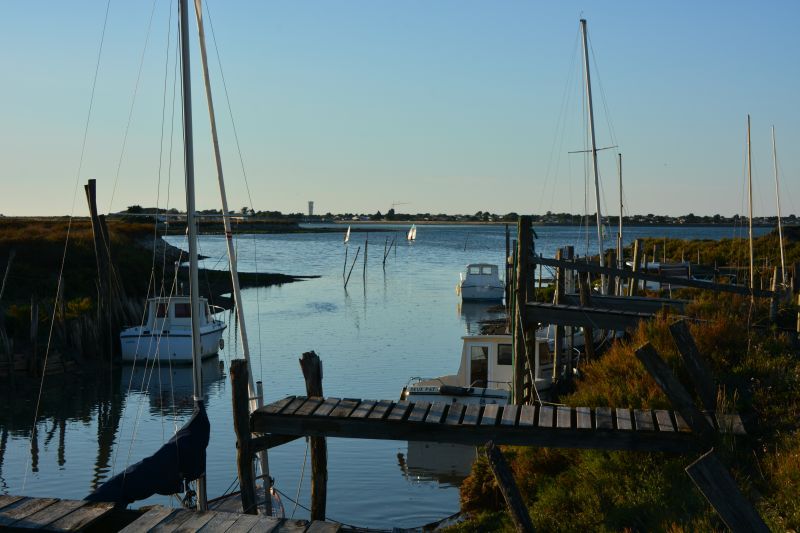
{"x":412,"y":233}
{"x":347,"y":235}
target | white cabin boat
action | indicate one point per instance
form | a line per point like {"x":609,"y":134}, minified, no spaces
{"x":485,"y":374}
{"x":481,"y":281}
{"x":167,"y":332}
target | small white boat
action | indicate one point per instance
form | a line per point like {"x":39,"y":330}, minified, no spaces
{"x":485,"y":374}
{"x":347,"y":235}
{"x":412,"y":233}
{"x":167,"y":332}
{"x":481,"y":282}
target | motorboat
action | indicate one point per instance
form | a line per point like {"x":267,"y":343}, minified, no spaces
{"x":481,"y":281}
{"x":485,"y":374}
{"x":167,"y":332}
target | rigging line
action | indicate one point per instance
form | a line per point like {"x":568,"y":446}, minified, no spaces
{"x":69,"y":230}
{"x":169,"y":159}
{"x":599,"y":80}
{"x":302,"y":476}
{"x":133,"y":104}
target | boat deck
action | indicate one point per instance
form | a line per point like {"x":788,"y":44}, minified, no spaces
{"x":20,"y":513}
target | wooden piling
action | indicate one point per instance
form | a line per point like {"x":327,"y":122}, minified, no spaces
{"x":773,"y":301}
{"x":241,"y":428}
{"x":358,"y":250}
{"x":33,"y":362}
{"x":366,"y":245}
{"x":311,"y":366}
{"x":631,"y":282}
{"x":505,"y":482}
{"x":520,"y":299}
{"x":559,"y":333}
{"x":588,"y":333}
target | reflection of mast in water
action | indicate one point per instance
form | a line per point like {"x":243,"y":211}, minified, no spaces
{"x":109,"y":415}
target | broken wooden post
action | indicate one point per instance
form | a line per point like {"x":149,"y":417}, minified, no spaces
{"x":722,"y":492}
{"x":676,"y":393}
{"x":559,"y":333}
{"x":241,"y":427}
{"x":588,"y":333}
{"x":612,"y":278}
{"x":311,"y":365}
{"x":520,"y":299}
{"x":773,"y":301}
{"x":631,"y":281}
{"x":698,"y":372}
{"x":505,"y":482}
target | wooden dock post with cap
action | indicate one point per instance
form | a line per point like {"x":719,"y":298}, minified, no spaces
{"x":241,"y":427}
{"x":311,"y":366}
{"x":521,"y":298}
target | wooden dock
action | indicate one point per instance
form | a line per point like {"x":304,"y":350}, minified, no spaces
{"x":20,"y":513}
{"x":524,"y":425}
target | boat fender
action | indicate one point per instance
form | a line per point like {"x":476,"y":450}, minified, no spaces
{"x":221,"y":343}
{"x":452,"y":390}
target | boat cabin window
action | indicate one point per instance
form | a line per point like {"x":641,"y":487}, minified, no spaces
{"x":183,"y":310}
{"x":474,"y":270}
{"x":479,"y":365}
{"x":487,"y":270}
{"x":504,"y":354}
{"x":161,"y":310}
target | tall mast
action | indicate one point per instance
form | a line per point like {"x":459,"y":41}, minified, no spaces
{"x":750,"y":202}
{"x":619,"y":234}
{"x":255,"y":397}
{"x":594,"y":147}
{"x":188,"y":155}
{"x":778,"y":200}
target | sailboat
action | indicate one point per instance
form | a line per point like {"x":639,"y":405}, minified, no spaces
{"x":347,"y":235}
{"x":412,"y":233}
{"x":182,"y":459}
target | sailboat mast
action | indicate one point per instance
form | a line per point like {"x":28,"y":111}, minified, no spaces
{"x":594,"y":145}
{"x":778,"y":200}
{"x":620,"y":259}
{"x":750,"y":202}
{"x":188,"y":154}
{"x":256,"y":399}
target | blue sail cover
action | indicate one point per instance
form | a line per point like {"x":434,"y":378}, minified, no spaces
{"x":181,"y":459}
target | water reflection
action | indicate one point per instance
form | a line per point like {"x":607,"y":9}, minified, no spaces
{"x":473,"y":313}
{"x":446,"y":464}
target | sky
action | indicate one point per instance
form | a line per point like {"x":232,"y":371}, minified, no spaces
{"x":446,"y":106}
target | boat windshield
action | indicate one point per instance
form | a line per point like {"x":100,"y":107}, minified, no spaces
{"x":474,"y":270}
{"x":487,"y":270}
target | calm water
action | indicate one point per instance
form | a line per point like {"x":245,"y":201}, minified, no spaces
{"x":395,"y":323}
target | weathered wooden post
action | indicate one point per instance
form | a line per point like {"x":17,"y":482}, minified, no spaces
{"x":521,"y":298}
{"x":612,"y":278}
{"x":33,"y":362}
{"x":559,"y":336}
{"x":311,"y":366}
{"x":366,"y":245}
{"x":632,"y":282}
{"x":505,"y":482}
{"x":241,"y":428}
{"x":588,"y":333}
{"x":773,"y":300}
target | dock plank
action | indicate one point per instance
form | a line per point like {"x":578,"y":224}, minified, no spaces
{"x":243,"y":524}
{"x":318,"y":526}
{"x":546,"y":416}
{"x":345,"y":407}
{"x":196,"y":521}
{"x":663,"y":420}
{"x":472,"y":415}
{"x":730,"y":423}
{"x":363,"y":409}
{"x":23,"y":508}
{"x":173,"y":522}
{"x":308,"y":407}
{"x":583,"y":417}
{"x":294,"y":405}
{"x":151,"y":518}
{"x":7,"y":499}
{"x":381,"y":409}
{"x":509,"y":417}
{"x":51,"y":513}
{"x":624,"y":421}
{"x":220,"y":523}
{"x":681,"y":423}
{"x":563,"y":417}
{"x":437,"y":413}
{"x":527,"y":416}
{"x":490,"y":414}
{"x":276,"y":407}
{"x":266,"y":524}
{"x":327,"y":407}
{"x":644,"y":420}
{"x":399,"y":412}
{"x":292,"y":526}
{"x":81,"y":517}
{"x":419,"y":411}
{"x":455,"y":414}
{"x":603,"y":418}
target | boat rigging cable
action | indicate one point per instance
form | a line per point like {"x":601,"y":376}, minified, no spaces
{"x":67,"y":237}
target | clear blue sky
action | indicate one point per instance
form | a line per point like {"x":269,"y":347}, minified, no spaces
{"x":452,"y":106}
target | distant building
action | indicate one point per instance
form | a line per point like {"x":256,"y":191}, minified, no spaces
{"x":311,"y":208}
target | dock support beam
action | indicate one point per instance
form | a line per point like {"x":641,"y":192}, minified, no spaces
{"x":241,"y":427}
{"x":505,"y":481}
{"x":311,"y":366}
{"x":520,"y":299}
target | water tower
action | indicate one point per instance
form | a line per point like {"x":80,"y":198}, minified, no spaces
{"x":311,"y":208}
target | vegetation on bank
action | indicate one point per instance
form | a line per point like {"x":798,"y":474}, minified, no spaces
{"x":757,"y":368}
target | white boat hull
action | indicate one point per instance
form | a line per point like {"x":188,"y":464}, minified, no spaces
{"x":484,"y":293}
{"x":452,"y":394}
{"x":140,"y":343}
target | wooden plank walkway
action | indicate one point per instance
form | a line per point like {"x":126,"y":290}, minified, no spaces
{"x":588,"y":317}
{"x":20,"y":513}
{"x":528,"y":425}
